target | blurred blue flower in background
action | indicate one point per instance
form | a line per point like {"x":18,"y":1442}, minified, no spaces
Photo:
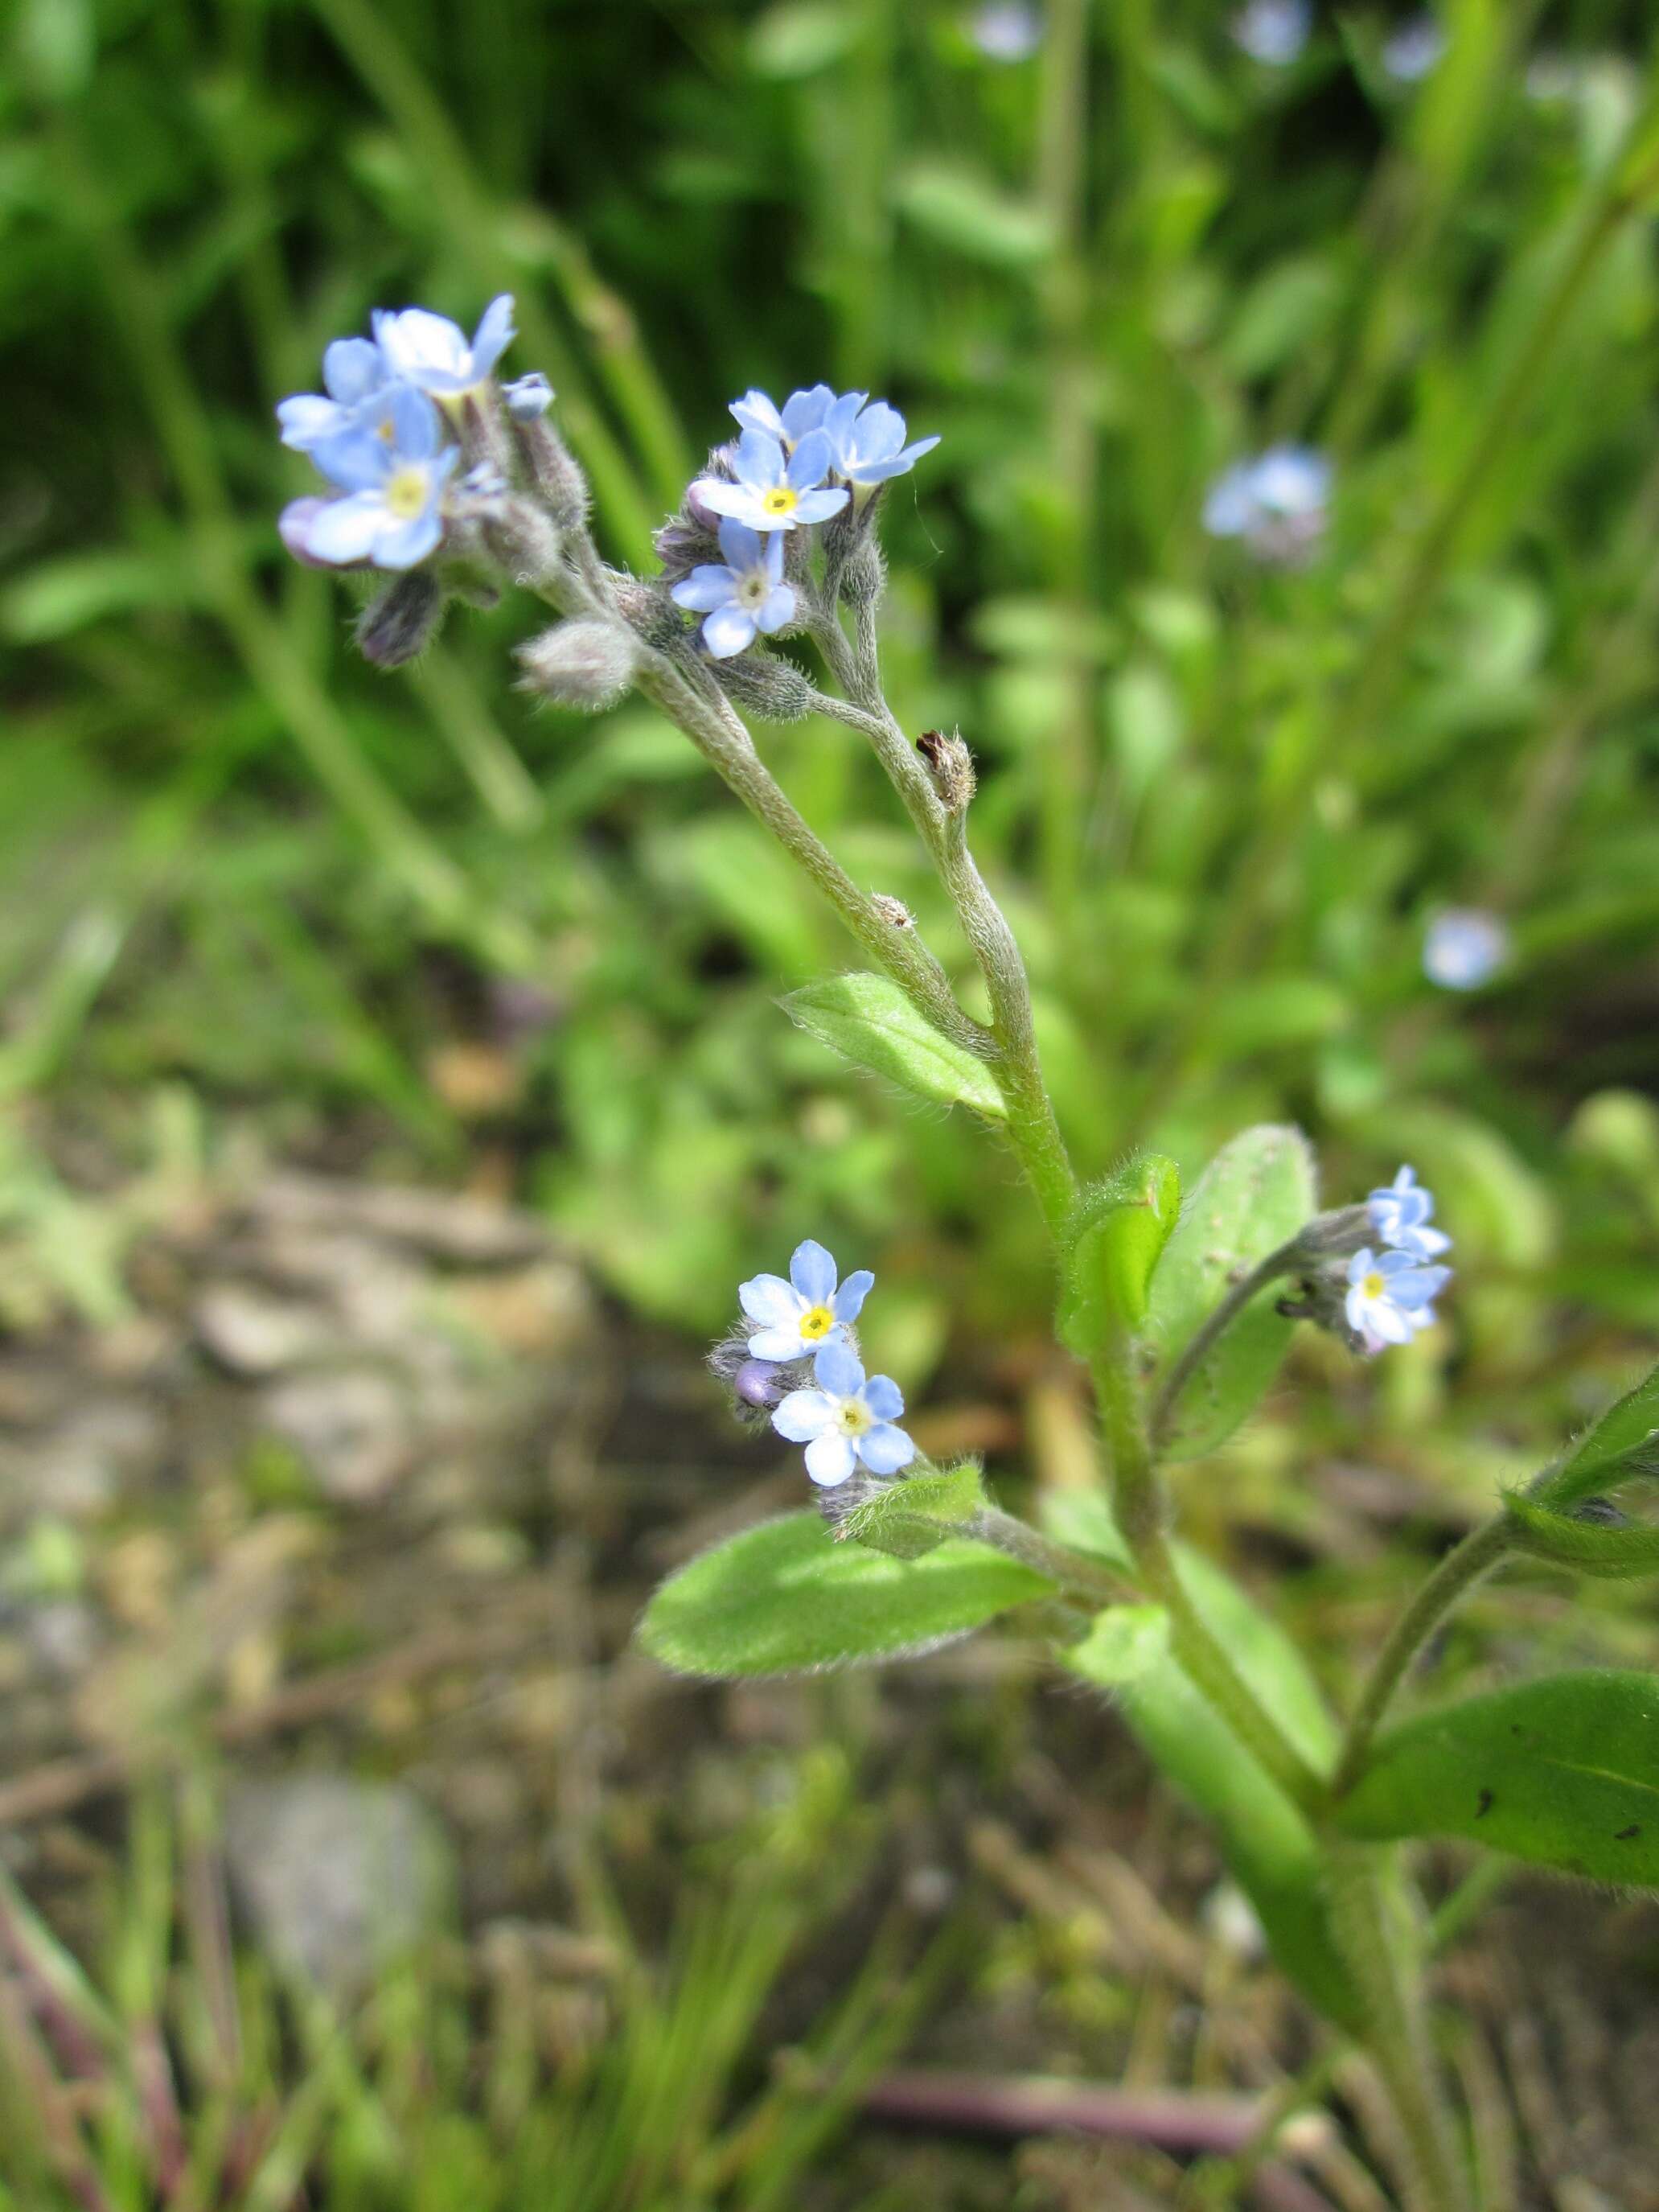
{"x":846,"y":1420}
{"x":1277,"y":502}
{"x":1274,"y":31}
{"x":1464,"y":947}
{"x":1412,"y":51}
{"x":1389,"y":1298}
{"x":772,"y":491}
{"x":432,"y":352}
{"x":1006,"y":31}
{"x":748,"y":594}
{"x":393,"y":468}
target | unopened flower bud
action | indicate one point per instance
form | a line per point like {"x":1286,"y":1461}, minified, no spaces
{"x":588,"y":664}
{"x":950,"y":766}
{"x":553,"y":470}
{"x":894,"y":912}
{"x":399,"y":624}
{"x":765,"y":685}
{"x":682,"y":543}
{"x":722,"y":464}
{"x":757,"y":1383}
{"x":524,"y":539}
{"x":864,"y":576}
{"x":650,"y":614}
{"x":528,"y":398}
{"x":1334,"y":1236}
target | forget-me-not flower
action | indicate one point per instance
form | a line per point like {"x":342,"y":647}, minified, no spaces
{"x":866,"y":440}
{"x":1007,"y":30}
{"x":393,"y":468}
{"x":773,"y":490}
{"x":432,"y":352}
{"x":746,"y":595}
{"x":794,"y":1319}
{"x":1464,"y":948}
{"x":1412,"y":51}
{"x":1400,"y":1213}
{"x":844,"y":1420}
{"x":1274,"y":31}
{"x":354,"y":375}
{"x":801,"y":411}
{"x":1389,"y":1298}
{"x":1276,"y":502}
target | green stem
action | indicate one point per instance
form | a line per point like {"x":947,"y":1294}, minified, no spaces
{"x":1074,"y":1571}
{"x":1385,"y":1960}
{"x":1462,"y":1566}
{"x":1198,"y":1349}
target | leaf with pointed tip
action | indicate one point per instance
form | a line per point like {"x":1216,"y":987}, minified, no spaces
{"x":787,"y":1598}
{"x":1562,"y":1772}
{"x":916,"y":1513}
{"x":868,"y":1020}
{"x":1604,"y":1548}
{"x":1624,"y":1442}
{"x":1254,"y":1196}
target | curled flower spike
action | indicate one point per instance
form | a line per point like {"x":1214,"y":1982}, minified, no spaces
{"x":432,"y":352}
{"x":771,"y":491}
{"x":844,"y":1420}
{"x":746,"y":595}
{"x":394,"y":469}
{"x":1389,"y":1298}
{"x":1400,"y":1214}
{"x":795,"y":1319}
{"x":1464,"y":948}
{"x":354,"y":375}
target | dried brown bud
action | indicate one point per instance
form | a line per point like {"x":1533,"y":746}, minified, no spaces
{"x":950,"y":766}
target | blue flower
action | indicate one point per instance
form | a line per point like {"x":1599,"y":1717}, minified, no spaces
{"x":528,"y":398}
{"x":394,"y":469}
{"x":802,"y":411}
{"x":1007,"y":30}
{"x":747,"y":595}
{"x":1389,"y":1299}
{"x":355,"y":375}
{"x":1274,"y":31}
{"x":794,"y":1319}
{"x":866,"y":440}
{"x":1401,"y":1213}
{"x":772,"y":491}
{"x":1413,"y":50}
{"x":432,"y":352}
{"x":1464,"y":948}
{"x":1276,"y":502}
{"x":844,"y":1420}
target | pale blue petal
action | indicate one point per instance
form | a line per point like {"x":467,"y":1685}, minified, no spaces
{"x":730,"y":629}
{"x":878,"y":433}
{"x":812,"y":1271}
{"x":803,"y":1414}
{"x":850,"y":1298}
{"x":756,"y":411}
{"x":777,"y":609}
{"x":741,"y":501}
{"x":884,"y":1397}
{"x":837,"y":1369}
{"x":706,"y":588}
{"x":885,"y":1450}
{"x":408,"y":543}
{"x":494,"y":335}
{"x":804,"y":410}
{"x":838,"y":422}
{"x":830,"y":1460}
{"x":809,"y":463}
{"x":345,"y":530}
{"x":769,"y":1298}
{"x":308,"y":418}
{"x":819,"y":506}
{"x":352,"y":368}
{"x":758,"y":463}
{"x":416,"y":428}
{"x":741,"y":546}
{"x":356,"y":460}
{"x":779,"y":1344}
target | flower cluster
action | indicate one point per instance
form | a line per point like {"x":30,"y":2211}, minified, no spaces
{"x":795,"y":1358}
{"x":792,"y":466}
{"x":1277,"y":503}
{"x":377,"y":432}
{"x":1391,"y":1293}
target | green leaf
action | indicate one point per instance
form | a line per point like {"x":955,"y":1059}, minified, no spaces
{"x":800,"y":38}
{"x":1563,"y":1772}
{"x":1126,"y":1643}
{"x":1118,"y":1230}
{"x":785,"y":1598}
{"x":1268,"y":1845}
{"x":1255,"y":1195}
{"x":1627,"y":1433}
{"x":868,"y":1020}
{"x":1589,"y":1548}
{"x":916,"y":1514}
{"x":963,"y":209}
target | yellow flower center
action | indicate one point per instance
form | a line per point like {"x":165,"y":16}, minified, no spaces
{"x":1372,"y":1284}
{"x":781,"y":500}
{"x":854,"y":1418}
{"x":818,"y":1322}
{"x":406,"y":492}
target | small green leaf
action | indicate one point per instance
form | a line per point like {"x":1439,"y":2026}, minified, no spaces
{"x":964,"y":210}
{"x":785,"y":1598}
{"x":1116,"y":1234}
{"x":1627,"y":1434}
{"x":1589,"y":1548}
{"x":1562,"y":1772}
{"x":869,"y":1021}
{"x":1126,"y":1643}
{"x":915,"y":1515}
{"x":1255,"y":1195}
{"x":801,"y":37}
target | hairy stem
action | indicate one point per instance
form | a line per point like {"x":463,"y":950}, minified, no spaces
{"x":1075,"y":1571}
{"x":1203,"y":1341}
{"x":1462,"y":1568}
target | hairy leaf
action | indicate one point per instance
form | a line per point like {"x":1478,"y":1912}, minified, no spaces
{"x":917,"y":1513}
{"x":1119,"y":1229}
{"x":1562,"y":1772}
{"x":1255,"y":1193}
{"x":1626,"y":1435}
{"x":1589,"y":1548}
{"x":868,"y":1020}
{"x":786,"y":1597}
